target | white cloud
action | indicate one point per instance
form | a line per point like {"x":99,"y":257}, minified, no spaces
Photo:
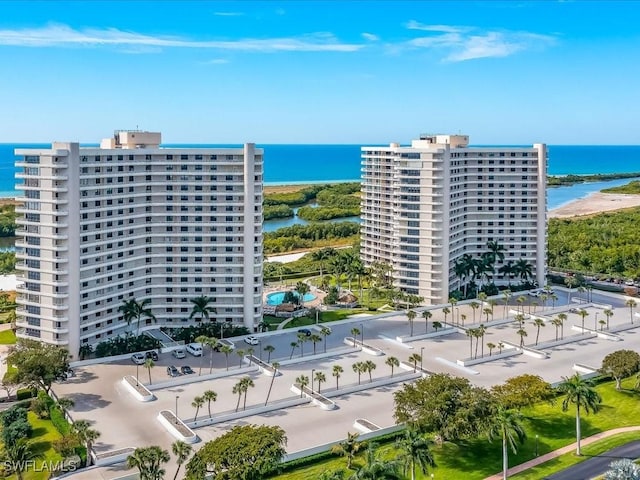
{"x":65,"y":36}
{"x":466,"y":43}
{"x":228,"y":14}
{"x":370,"y":36}
{"x":216,"y":61}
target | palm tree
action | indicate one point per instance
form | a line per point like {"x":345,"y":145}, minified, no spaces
{"x":321,"y":256}
{"x":209,"y":396}
{"x":426,"y":315}
{"x":474,"y":306}
{"x":275,"y":366}
{"x":197,"y":403}
{"x":237,"y":388}
{"x":583,"y":313}
{"x":18,"y":456}
{"x":554,"y":299}
{"x":437,"y":325}
{"x":507,"y":295}
{"x":523,"y":333}
{"x":481,"y":332}
{"x":315,"y":338}
{"x":376,"y":468}
{"x":320,"y":377}
{"x":463,"y":317}
{"x":562,"y":317}
{"x":416,"y":451}
{"x":149,"y":364}
{"x":64,"y":403}
{"x":369,"y":367}
{"x":210,"y":342}
{"x":303,"y":381}
{"x":149,"y":460}
{"x":226,"y":349}
{"x":86,"y":436}
{"x":202,"y":340}
{"x":538,"y":322}
{"x":132,"y":310}
{"x":523,"y":269}
{"x":471,"y":333}
{"x":500,"y":347}
{"x":453,"y":301}
{"x":359,"y":368}
{"x":570,"y":282}
{"x":348,"y":448}
{"x":302,"y":338}
{"x":325,"y":332}
{"x":608,"y":313}
{"x":302,"y":289}
{"x":269,"y":349}
{"x":415,"y":358}
{"x":393,"y":362}
{"x":240,"y":352}
{"x":293,"y":346}
{"x":507,"y":425}
{"x":336,"y":371}
{"x":411,"y":316}
{"x":247,"y":383}
{"x":631,"y":303}
{"x":201,"y":307}
{"x":354,"y":333}
{"x":520,"y":301}
{"x":446,"y":312}
{"x":487,"y":311}
{"x":556,"y":322}
{"x":182,"y":451}
{"x":491,"y":346}
{"x":581,"y":393}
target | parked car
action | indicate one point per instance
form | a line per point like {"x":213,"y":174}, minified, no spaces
{"x":172,"y":371}
{"x":195,"y":349}
{"x":179,"y":353}
{"x":574,"y":310}
{"x":305,"y":331}
{"x":251,"y":340}
{"x":186,"y":370}
{"x":152,"y":354}
{"x":138,"y":358}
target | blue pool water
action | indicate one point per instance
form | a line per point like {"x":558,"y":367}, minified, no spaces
{"x":276,"y":298}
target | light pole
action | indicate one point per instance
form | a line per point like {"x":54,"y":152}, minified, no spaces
{"x":421,"y":356}
{"x":595,"y":323}
{"x":177,"y":397}
{"x":260,"y":349}
{"x":317,"y":313}
{"x":536,"y":445}
{"x":362,"y":334}
{"x":313,"y":370}
{"x":137,"y":369}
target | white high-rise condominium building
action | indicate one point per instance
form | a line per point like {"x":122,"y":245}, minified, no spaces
{"x":426,"y":206}
{"x":129,"y":219}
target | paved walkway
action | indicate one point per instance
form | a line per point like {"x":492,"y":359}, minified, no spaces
{"x":561,"y":451}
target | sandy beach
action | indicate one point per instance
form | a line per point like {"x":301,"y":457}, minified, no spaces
{"x":596,"y":203}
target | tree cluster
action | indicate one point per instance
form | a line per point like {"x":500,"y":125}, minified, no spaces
{"x":39,"y":364}
{"x":7,"y":220}
{"x":269,"y":212}
{"x":306,"y":236}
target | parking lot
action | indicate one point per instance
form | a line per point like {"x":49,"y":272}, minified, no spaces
{"x":125,"y":422}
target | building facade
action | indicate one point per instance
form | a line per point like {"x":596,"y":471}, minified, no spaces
{"x":428,"y":206}
{"x":97,"y":226}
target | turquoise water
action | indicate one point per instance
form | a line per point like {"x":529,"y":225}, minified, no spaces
{"x":276,"y":298}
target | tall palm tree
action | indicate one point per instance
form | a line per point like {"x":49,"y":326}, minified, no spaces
{"x":507,"y":425}
{"x":369,"y":366}
{"x":523,"y":333}
{"x":182,"y":451}
{"x":556,"y":322}
{"x":203,"y":340}
{"x":471,"y":333}
{"x":18,"y":456}
{"x":487,"y":311}
{"x":538,"y":322}
{"x":210,"y":342}
{"x":583,"y":313}
{"x":359,"y":368}
{"x":276,"y":367}
{"x":149,"y":364}
{"x":631,"y":303}
{"x":393,"y":362}
{"x":416,"y":451}
{"x":608,"y":313}
{"x":411,"y":316}
{"x":348,"y":448}
{"x":302,"y":339}
{"x":523,"y":269}
{"x":375,"y":468}
{"x":247,"y":383}
{"x":325,"y":332}
{"x":269,"y":349}
{"x":482,"y":330}
{"x":132,"y":310}
{"x":474,"y":306}
{"x":570,"y":282}
{"x":237,"y":389}
{"x":293,"y":346}
{"x":415,"y":358}
{"x":491,"y":346}
{"x":201,"y":307}
{"x":446,"y":312}
{"x":302,"y":289}
{"x":562,"y":317}
{"x":240,"y":352}
{"x":315,"y":338}
{"x":86,"y":436}
{"x":148,"y":461}
{"x":507,"y":295}
{"x":336,"y":371}
{"x":197,"y":403}
{"x":508,"y":270}
{"x":426,"y":314}
{"x":581,"y":393}
{"x":303,"y":381}
{"x":226,"y":349}
{"x":320,"y":377}
{"x":209,"y":396}
{"x":321,"y":256}
{"x":354,"y":333}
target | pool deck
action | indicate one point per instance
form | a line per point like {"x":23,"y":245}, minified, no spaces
{"x":316,"y":302}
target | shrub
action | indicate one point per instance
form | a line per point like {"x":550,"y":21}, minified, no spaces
{"x":40,"y":407}
{"x":66,"y":445}
{"x":25,"y":393}
{"x":58,"y":421}
{"x":17,"y":430}
{"x":14,"y":414}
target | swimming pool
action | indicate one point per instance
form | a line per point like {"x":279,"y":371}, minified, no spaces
{"x":276,"y":298}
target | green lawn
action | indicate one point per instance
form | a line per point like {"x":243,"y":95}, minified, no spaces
{"x":44,"y":434}
{"x":477,"y":459}
{"x":7,"y":337}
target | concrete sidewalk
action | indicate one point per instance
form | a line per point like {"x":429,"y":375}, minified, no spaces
{"x":561,"y":451}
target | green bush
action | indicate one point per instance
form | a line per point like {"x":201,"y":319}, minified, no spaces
{"x":25,"y":393}
{"x":277,"y":211}
{"x":15,"y":431}
{"x":58,"y":421}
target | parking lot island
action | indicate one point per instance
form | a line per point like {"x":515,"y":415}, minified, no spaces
{"x":137,"y":389}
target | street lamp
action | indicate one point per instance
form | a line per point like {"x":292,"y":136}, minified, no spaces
{"x":313,"y":370}
{"x":595,"y":323}
{"x":362,"y":334}
{"x":260,"y":349}
{"x":137,"y":369}
{"x":421,"y":356}
{"x":536,"y":445}
{"x":177,"y":397}
{"x":317,"y":313}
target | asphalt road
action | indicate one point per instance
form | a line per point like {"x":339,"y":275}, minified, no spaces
{"x":595,"y":466}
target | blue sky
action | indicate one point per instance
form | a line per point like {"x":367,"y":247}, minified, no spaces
{"x":504,"y":72}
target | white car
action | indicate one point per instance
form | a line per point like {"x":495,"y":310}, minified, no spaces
{"x":195,"y":349}
{"x":535,"y":293}
{"x":252,"y":340}
{"x":179,"y":353}
{"x":138,"y":358}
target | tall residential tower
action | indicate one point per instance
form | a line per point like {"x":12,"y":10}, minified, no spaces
{"x":129,"y":219}
{"x":426,"y":205}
